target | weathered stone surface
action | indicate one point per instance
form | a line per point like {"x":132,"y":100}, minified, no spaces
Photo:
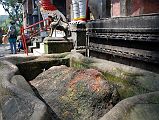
{"x":57,"y":45}
{"x":17,"y":102}
{"x":63,"y":89}
{"x":141,"y":107}
{"x":20,"y":82}
{"x":37,"y":66}
{"x":75,"y":94}
{"x":130,"y":81}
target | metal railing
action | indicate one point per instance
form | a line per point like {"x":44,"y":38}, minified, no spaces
{"x":33,"y":31}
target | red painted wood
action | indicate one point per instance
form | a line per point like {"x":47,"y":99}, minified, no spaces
{"x":47,"y":5}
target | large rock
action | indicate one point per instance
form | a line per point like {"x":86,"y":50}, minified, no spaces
{"x":75,"y":94}
{"x":137,"y":87}
{"x":78,"y":94}
{"x":140,"y":107}
{"x":130,"y":81}
{"x":17,"y":100}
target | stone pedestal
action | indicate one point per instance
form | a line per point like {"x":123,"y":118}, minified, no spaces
{"x":57,"y":45}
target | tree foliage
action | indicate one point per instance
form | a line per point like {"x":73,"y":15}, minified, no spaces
{"x":4,"y":25}
{"x":14,"y":9}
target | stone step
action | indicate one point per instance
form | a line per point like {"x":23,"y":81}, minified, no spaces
{"x":30,"y":48}
{"x":37,"y":52}
{"x":35,"y":44}
{"x":42,"y":47}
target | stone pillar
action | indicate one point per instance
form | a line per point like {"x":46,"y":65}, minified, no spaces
{"x":78,"y":33}
{"x":123,"y":10}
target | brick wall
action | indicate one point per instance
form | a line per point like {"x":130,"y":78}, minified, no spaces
{"x":134,"y":7}
{"x":139,"y":7}
{"x":151,"y":6}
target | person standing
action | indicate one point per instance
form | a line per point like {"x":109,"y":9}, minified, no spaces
{"x":12,"y":37}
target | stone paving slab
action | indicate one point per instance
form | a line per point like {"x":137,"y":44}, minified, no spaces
{"x":5,"y":51}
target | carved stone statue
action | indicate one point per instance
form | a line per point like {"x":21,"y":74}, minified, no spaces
{"x":58,"y":24}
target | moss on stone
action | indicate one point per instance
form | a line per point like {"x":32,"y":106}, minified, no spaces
{"x":85,"y":64}
{"x":127,"y":86}
{"x":0,"y":64}
{"x":154,"y":99}
{"x":127,"y":83}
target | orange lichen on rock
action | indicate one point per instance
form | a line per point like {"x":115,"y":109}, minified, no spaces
{"x":96,"y":86}
{"x":76,"y":94}
{"x":75,"y":80}
{"x":88,"y":75}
